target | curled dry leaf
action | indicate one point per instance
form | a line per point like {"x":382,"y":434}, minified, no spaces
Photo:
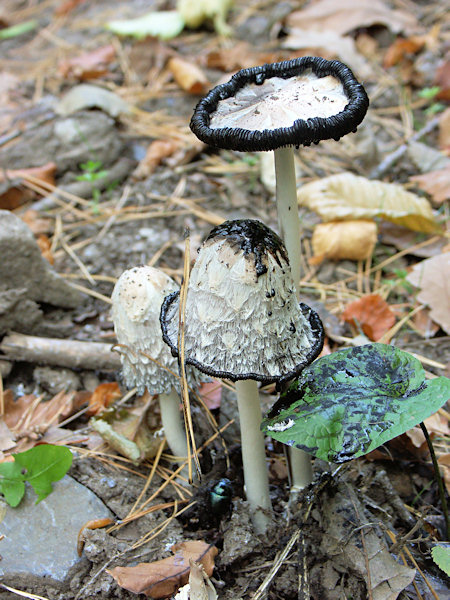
{"x":188,"y":76}
{"x":103,"y":395}
{"x":348,"y":196}
{"x":134,"y":432}
{"x":338,"y":240}
{"x":370,"y":313}
{"x":162,"y":578}
{"x":156,"y":152}
{"x":401,"y":47}
{"x":89,"y":65}
{"x":432,"y":276}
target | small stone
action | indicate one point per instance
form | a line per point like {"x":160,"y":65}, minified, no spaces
{"x":41,"y":539}
{"x":54,"y":380}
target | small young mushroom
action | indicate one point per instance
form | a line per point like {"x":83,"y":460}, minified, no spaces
{"x":146,"y":360}
{"x":244,"y":323}
{"x":276,"y":107}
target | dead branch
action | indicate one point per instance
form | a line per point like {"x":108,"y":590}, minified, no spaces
{"x":62,"y":353}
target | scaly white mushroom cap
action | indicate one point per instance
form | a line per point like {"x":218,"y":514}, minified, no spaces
{"x":136,"y":304}
{"x":280,"y":102}
{"x":242,"y":317}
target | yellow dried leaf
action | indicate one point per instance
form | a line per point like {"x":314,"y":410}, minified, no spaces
{"x":347,"y":196}
{"x":188,"y":76}
{"x":338,"y":240}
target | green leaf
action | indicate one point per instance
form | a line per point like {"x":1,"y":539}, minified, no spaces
{"x":11,"y":482}
{"x":44,"y":464}
{"x":163,"y":24}
{"x":441,"y":556}
{"x":348,"y":403}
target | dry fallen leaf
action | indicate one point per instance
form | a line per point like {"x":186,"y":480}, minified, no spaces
{"x":211,"y":393}
{"x":134,"y":432}
{"x":45,"y":246}
{"x":89,"y":65}
{"x":32,"y":420}
{"x":36,"y":222}
{"x":338,"y":240}
{"x":103,"y":395}
{"x":372,"y":314}
{"x":162,"y":578}
{"x":188,"y":76}
{"x":242,"y":55}
{"x":156,"y":152}
{"x":437,"y":426}
{"x":328,"y":44}
{"x":444,"y":131}
{"x":347,"y":196}
{"x":346,"y":15}
{"x":402,"y":47}
{"x":424,"y":324}
{"x":443,"y":81}
{"x":444,"y":462}
{"x":432,"y":276}
{"x":435,"y":183}
{"x":14,"y":194}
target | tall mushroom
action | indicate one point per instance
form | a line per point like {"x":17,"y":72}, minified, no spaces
{"x":146,"y":360}
{"x":244,"y":323}
{"x":276,"y":107}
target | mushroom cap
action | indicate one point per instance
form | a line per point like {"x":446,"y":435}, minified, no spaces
{"x":290,"y":103}
{"x":242,"y":318}
{"x":136,"y":304}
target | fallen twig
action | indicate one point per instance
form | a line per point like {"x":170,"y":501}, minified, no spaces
{"x":62,"y":353}
{"x":393,"y":157}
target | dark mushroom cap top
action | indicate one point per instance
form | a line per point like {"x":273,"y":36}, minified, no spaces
{"x":290,"y":103}
{"x":242,"y":318}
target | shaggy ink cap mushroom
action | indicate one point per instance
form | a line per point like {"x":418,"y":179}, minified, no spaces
{"x":243,"y":320}
{"x":136,"y":304}
{"x":290,"y":103}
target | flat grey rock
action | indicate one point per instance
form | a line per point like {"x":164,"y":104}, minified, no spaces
{"x":40,"y":540}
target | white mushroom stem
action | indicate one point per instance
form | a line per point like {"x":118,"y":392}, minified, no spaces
{"x":289,"y":224}
{"x":253,"y":454}
{"x":287,"y":208}
{"x":173,"y":423}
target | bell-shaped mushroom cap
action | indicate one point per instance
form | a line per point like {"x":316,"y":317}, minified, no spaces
{"x":290,"y":103}
{"x":136,"y":304}
{"x":242,"y":318}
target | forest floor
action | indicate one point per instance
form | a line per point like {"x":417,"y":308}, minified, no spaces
{"x":110,"y":182}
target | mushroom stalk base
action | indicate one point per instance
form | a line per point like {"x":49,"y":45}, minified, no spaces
{"x":287,"y":208}
{"x":172,"y":420}
{"x":254,"y":454}
{"x":300,"y":468}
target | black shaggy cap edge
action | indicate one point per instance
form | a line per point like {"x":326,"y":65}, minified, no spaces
{"x":302,"y":132}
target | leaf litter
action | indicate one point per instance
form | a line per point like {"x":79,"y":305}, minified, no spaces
{"x":199,"y":189}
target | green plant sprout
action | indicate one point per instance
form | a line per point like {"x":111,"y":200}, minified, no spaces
{"x":92,"y":172}
{"x":349,"y":403}
{"x":40,"y":466}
